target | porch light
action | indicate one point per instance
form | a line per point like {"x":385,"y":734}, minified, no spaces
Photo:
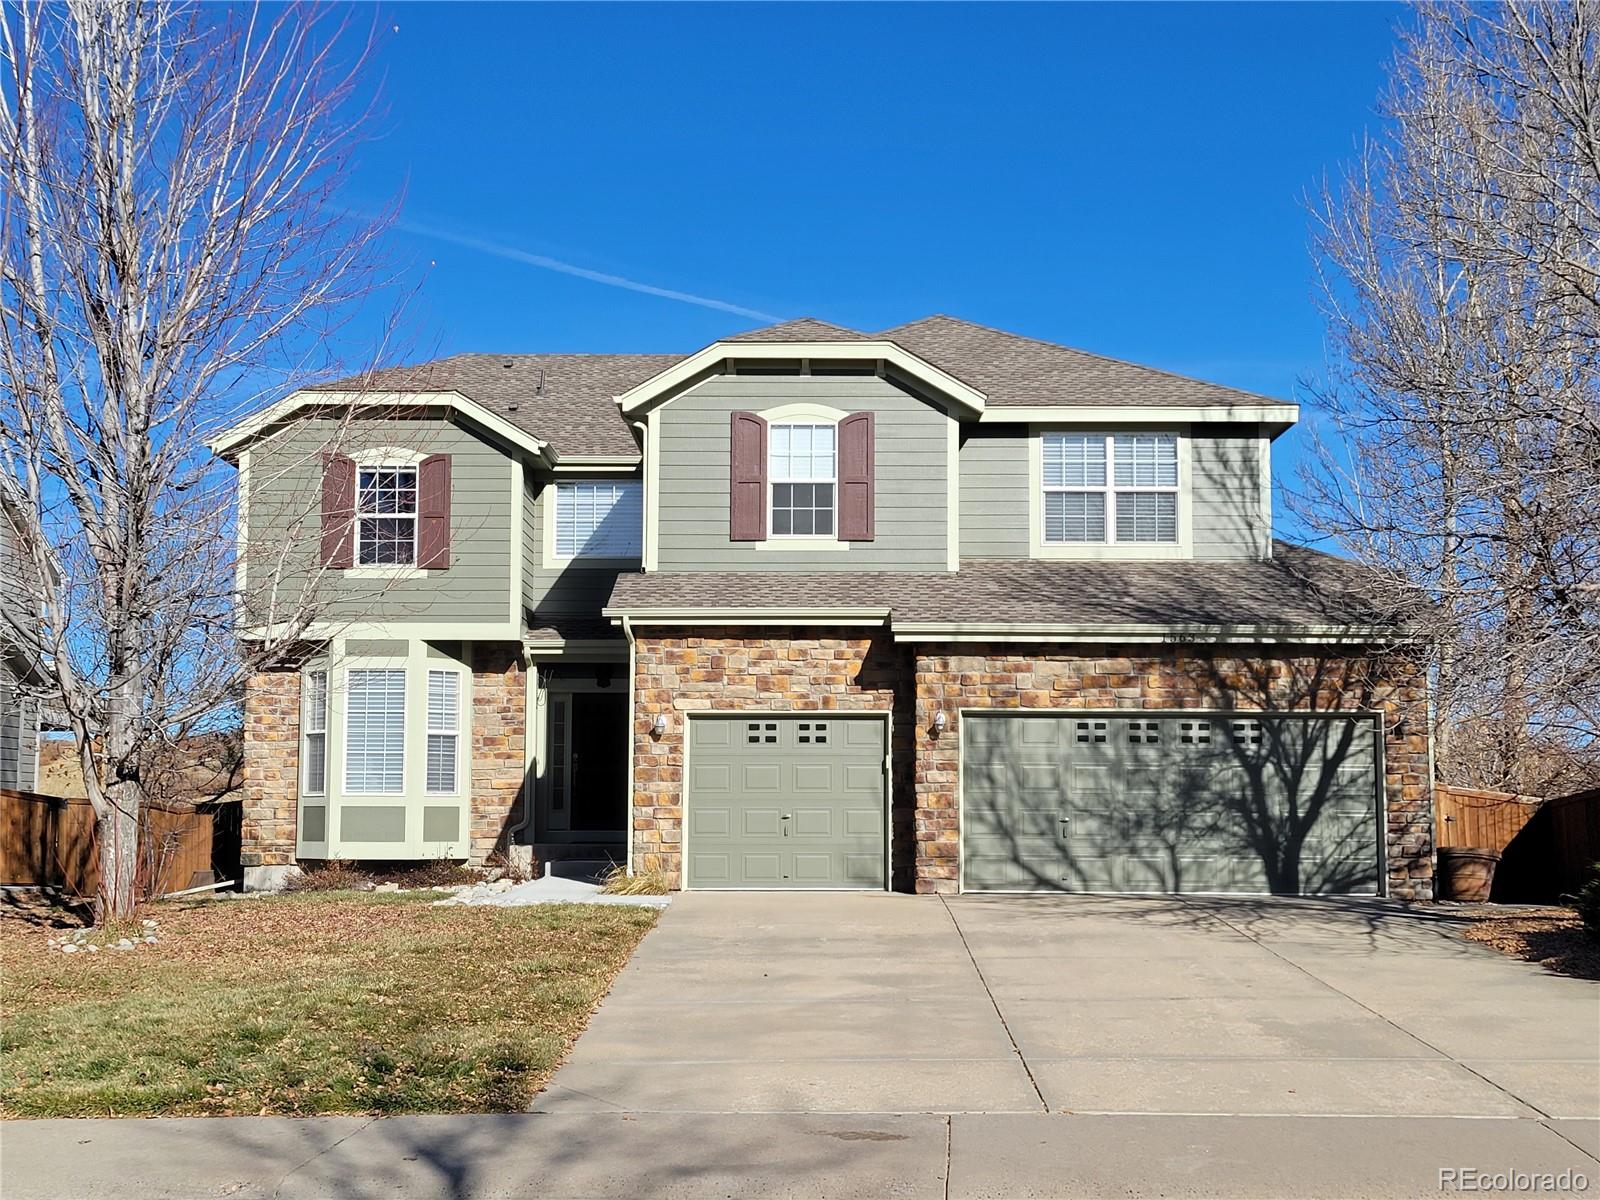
{"x":938,"y":722}
{"x":659,"y":725}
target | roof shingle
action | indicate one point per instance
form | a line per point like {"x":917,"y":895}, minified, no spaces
{"x":1297,"y":587}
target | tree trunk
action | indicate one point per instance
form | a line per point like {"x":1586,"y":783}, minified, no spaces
{"x":118,"y":836}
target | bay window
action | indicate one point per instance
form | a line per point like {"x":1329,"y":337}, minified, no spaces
{"x":375,"y":731}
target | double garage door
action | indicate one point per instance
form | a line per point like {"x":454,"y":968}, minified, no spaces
{"x":1232,"y":802}
{"x":786,"y":802}
{"x":1150,"y":802}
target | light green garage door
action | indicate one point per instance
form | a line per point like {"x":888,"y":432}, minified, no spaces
{"x":1170,"y":803}
{"x":786,"y":802}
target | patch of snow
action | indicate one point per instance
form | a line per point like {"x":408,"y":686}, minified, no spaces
{"x":549,"y":890}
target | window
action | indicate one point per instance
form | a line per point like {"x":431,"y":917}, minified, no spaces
{"x":1110,"y":488}
{"x":803,"y":468}
{"x":314,"y":734}
{"x":375,"y":731}
{"x":386,"y":508}
{"x":444,"y":729}
{"x":599,"y":520}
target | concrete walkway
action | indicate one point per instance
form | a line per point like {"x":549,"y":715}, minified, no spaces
{"x":837,"y":1045}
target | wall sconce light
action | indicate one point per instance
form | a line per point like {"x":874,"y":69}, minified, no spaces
{"x":938,"y":722}
{"x":659,"y":725}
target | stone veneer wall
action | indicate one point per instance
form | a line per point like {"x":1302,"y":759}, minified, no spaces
{"x":778,"y":670}
{"x":271,"y":768}
{"x":729,"y":671}
{"x":495,"y":753}
{"x":1134,"y":678}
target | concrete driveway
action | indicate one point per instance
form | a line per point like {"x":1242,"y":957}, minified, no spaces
{"x":851,"y":1002}
{"x":781,"y":1046}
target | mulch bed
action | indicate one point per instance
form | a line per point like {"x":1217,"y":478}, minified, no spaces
{"x":1552,"y":937}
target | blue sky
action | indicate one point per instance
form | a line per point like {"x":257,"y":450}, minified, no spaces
{"x":1128,"y":179}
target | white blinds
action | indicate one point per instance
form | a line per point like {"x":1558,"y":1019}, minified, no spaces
{"x":444,"y":726}
{"x":375,"y":731}
{"x":599,"y":520}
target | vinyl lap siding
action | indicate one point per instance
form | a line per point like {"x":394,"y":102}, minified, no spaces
{"x":284,"y":511}
{"x":1228,"y":520}
{"x":911,"y":459}
{"x":1225,"y":492}
{"x":19,"y":735}
{"x":994,"y":492}
{"x":557,"y":590}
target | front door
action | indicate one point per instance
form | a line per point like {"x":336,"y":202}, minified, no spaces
{"x":588,"y":765}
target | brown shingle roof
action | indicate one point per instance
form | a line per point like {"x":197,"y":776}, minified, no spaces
{"x":802,"y":329}
{"x":564,"y":399}
{"x":1297,"y":587}
{"x":1011,"y":369}
{"x":574,"y":410}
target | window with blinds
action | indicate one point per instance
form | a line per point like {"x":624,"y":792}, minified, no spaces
{"x":314,"y":733}
{"x":599,"y":520}
{"x":444,"y":730}
{"x":375,"y":731}
{"x":1109,"y":488}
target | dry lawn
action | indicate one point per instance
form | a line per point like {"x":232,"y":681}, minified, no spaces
{"x":310,"y":1003}
{"x":1552,"y":937}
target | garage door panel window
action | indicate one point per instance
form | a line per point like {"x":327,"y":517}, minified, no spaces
{"x":1135,"y":500}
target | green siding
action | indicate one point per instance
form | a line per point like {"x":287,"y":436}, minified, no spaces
{"x":284,"y":508}
{"x":557,"y":590}
{"x":1224,"y":489}
{"x":911,"y":461}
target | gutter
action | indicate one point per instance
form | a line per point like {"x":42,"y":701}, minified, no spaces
{"x":627,"y":866}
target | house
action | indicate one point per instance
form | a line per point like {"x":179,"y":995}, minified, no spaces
{"x":19,"y":713}
{"x":934,"y":608}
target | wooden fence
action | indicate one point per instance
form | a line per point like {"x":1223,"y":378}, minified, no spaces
{"x":50,"y":841}
{"x":1485,"y":820}
{"x":1553,"y":855}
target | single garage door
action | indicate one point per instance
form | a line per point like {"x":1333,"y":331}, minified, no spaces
{"x":1170,"y":803}
{"x":786,"y":802}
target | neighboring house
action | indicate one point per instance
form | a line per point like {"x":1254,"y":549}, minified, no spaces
{"x":934,"y":608}
{"x":19,"y":716}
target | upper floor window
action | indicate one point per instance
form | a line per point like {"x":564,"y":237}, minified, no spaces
{"x":803,"y":473}
{"x":1110,"y":488}
{"x":599,"y":520}
{"x":386,"y":516}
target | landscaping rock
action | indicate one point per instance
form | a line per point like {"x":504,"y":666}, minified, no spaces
{"x":69,"y":948}
{"x":387,"y":887}
{"x":550,"y":890}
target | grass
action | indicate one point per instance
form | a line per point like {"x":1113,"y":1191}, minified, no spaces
{"x":1552,"y":937}
{"x":318,"y":1002}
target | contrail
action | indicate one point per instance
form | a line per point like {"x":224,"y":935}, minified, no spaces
{"x":555,"y":264}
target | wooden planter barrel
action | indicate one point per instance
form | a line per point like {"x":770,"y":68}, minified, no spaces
{"x":1466,"y":872}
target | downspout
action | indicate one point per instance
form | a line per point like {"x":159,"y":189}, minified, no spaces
{"x":627,"y":632}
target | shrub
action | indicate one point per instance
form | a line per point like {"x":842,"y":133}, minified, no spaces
{"x":435,"y":873}
{"x":1587,"y":902}
{"x":335,"y":875}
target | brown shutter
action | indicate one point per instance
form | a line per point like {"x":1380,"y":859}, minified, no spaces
{"x":338,"y":510}
{"x":856,"y":478}
{"x":433,"y":512}
{"x":747,"y":467}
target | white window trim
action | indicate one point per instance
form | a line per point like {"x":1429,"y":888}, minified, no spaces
{"x":547,"y":519}
{"x":1109,"y":549}
{"x":345,"y":789}
{"x":793,"y":415}
{"x":306,"y":733}
{"x":428,"y":731}
{"x":378,"y":459}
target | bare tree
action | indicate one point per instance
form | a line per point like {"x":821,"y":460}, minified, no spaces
{"x":171,"y":250}
{"x":1460,"y":270}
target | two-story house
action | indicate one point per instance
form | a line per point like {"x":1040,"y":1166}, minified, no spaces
{"x":934,"y":608}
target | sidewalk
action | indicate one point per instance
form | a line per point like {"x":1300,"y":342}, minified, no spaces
{"x":552,"y":1156}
